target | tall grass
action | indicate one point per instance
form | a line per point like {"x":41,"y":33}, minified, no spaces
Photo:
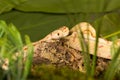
{"x":115,"y":63}
{"x":12,"y":63}
{"x":98,"y":25}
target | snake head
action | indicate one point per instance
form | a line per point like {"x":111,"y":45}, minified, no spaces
{"x":59,"y":33}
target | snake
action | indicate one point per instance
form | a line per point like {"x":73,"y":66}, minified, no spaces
{"x":89,"y":33}
{"x":73,"y":40}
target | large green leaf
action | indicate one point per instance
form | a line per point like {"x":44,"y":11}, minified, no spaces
{"x":37,"y":25}
{"x":7,"y":5}
{"x":110,"y":24}
{"x":65,"y":6}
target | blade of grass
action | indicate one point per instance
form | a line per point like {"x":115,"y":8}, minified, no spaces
{"x":113,"y":34}
{"x":96,"y":47}
{"x":11,"y":44}
{"x":15,"y":35}
{"x":85,"y":51}
{"x":28,"y":58}
{"x":114,"y":65}
{"x":1,"y":33}
{"x":12,"y":33}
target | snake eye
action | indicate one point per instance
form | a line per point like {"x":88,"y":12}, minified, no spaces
{"x":58,"y":34}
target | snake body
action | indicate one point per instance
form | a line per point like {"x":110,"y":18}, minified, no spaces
{"x":89,"y":33}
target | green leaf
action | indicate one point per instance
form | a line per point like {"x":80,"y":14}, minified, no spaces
{"x":65,"y":6}
{"x":37,"y":25}
{"x":7,"y":5}
{"x":110,"y":24}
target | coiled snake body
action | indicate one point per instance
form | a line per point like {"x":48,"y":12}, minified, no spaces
{"x":89,"y":33}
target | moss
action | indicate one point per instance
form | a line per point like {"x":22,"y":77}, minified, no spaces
{"x":50,"y":72}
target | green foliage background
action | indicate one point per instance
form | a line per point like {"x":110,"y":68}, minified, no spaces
{"x":39,"y":17}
